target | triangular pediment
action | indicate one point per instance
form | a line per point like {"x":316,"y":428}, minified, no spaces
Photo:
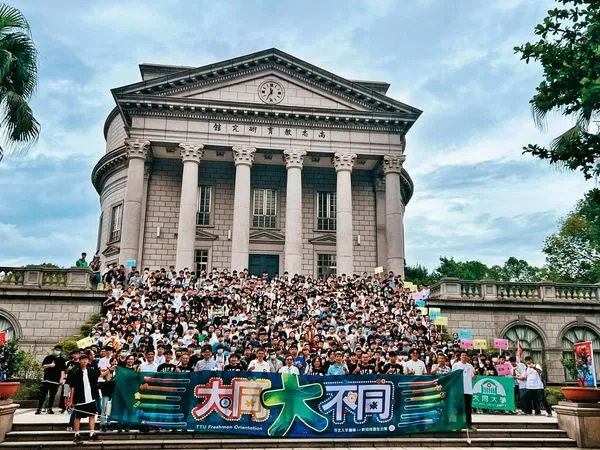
{"x":266,"y":237}
{"x":204,"y":235}
{"x":111,"y":250}
{"x":307,"y":86}
{"x":324,"y":239}
{"x":291,"y":92}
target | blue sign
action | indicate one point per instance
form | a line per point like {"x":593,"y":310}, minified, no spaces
{"x":131,"y":263}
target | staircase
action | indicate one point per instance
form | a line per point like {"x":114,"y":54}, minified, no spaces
{"x":30,"y":436}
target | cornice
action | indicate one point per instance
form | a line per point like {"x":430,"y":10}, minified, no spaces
{"x":111,"y":115}
{"x":106,"y":164}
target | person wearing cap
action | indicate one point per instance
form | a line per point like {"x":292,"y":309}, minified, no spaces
{"x":54,"y":366}
{"x":83,"y":396}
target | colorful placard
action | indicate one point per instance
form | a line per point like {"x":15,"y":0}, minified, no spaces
{"x":85,"y":342}
{"x":586,"y":370}
{"x":434,"y":312}
{"x":131,"y":263}
{"x":377,"y":270}
{"x":504,"y":369}
{"x":501,"y":344}
{"x":480,"y":344}
{"x":465,"y":334}
{"x":441,"y":321}
{"x":2,"y":337}
{"x":466,"y":344}
{"x":420,"y":303}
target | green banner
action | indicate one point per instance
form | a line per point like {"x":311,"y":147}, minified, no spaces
{"x":277,"y":405}
{"x":494,"y":393}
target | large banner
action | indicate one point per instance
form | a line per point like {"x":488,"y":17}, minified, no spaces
{"x":494,"y":393}
{"x":270,"y":404}
{"x":586,"y":369}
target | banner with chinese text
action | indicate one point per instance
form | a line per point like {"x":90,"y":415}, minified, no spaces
{"x":289,"y":405}
{"x":494,"y":393}
{"x":586,"y":369}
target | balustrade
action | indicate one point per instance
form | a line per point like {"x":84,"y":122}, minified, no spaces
{"x":45,"y":278}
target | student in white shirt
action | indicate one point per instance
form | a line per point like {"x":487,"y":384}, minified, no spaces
{"x":415,"y":366}
{"x":468,"y":375}
{"x":289,"y":367}
{"x":534,"y":385}
{"x":149,"y":365}
{"x":259,"y":364}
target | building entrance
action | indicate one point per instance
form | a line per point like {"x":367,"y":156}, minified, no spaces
{"x":258,"y":264}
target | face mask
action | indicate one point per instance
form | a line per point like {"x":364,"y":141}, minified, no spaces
{"x":56,"y":353}
{"x":273,"y":357}
{"x":220,"y":351}
{"x":197,"y":351}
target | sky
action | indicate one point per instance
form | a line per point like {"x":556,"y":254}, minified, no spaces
{"x":476,"y":195}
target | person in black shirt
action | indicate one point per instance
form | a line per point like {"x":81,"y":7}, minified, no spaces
{"x":184,"y":364}
{"x":54,"y":367}
{"x":393,"y":366}
{"x":353,"y":363}
{"x":234,"y":363}
{"x":71,"y":364}
{"x":168,"y":365}
{"x":366,"y":367}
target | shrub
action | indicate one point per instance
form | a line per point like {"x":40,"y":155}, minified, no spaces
{"x":554,"y":395}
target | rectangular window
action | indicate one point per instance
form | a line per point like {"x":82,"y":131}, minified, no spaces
{"x":265,"y":208}
{"x":326,"y":218}
{"x":204,"y":205}
{"x":201,"y":261}
{"x":116,"y":219}
{"x":325,"y":265}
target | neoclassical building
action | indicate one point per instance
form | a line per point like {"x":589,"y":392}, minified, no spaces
{"x":263,"y":162}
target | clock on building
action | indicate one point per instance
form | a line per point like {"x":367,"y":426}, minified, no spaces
{"x":271,"y":92}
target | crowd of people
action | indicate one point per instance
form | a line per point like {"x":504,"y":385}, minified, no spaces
{"x":178,"y":321}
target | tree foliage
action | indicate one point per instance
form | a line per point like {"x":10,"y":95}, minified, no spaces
{"x":18,"y":79}
{"x":569,"y":51}
{"x":573,"y":253}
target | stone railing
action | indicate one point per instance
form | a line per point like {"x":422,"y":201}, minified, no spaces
{"x":45,"y":278}
{"x":454,"y":289}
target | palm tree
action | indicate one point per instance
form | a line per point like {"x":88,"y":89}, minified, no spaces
{"x":18,"y":80}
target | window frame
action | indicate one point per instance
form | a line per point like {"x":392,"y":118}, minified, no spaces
{"x":111,"y":231}
{"x":264,"y":208}
{"x":331,"y":211}
{"x":332,"y":265}
{"x":196,"y":268}
{"x":210,"y":206}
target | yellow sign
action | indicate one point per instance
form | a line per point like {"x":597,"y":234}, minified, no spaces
{"x":378,"y":269}
{"x":85,"y":342}
{"x":441,"y":321}
{"x":411,"y":286}
{"x":480,"y":344}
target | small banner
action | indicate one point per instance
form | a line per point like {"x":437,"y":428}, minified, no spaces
{"x":441,"y":321}
{"x":586,"y":370}
{"x":465,"y":334}
{"x":277,"y":405}
{"x":504,"y":369}
{"x":85,"y":342}
{"x":501,"y":344}
{"x":494,"y":393}
{"x":411,"y":286}
{"x":131,"y":263}
{"x":466,"y":344}
{"x":377,"y":270}
{"x":480,"y":344}
{"x":420,"y":303}
{"x":2,"y":337}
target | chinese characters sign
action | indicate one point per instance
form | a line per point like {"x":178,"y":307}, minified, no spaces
{"x":289,"y":405}
{"x":276,"y":131}
{"x":494,"y":393}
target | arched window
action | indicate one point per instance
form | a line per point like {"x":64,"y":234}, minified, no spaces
{"x":532,"y":342}
{"x":6,"y":325}
{"x":581,"y":334}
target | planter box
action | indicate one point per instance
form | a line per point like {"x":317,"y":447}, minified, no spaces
{"x":581,"y":421}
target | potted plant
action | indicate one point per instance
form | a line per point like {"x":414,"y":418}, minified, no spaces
{"x":11,"y":362}
{"x":579,"y":369}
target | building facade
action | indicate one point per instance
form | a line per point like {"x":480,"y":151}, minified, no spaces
{"x":263,"y":162}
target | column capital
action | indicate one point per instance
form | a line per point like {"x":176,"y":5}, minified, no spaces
{"x":137,"y":148}
{"x":294,"y":158}
{"x":243,"y":155}
{"x":393,"y":163}
{"x":344,"y":161}
{"x":191,"y":151}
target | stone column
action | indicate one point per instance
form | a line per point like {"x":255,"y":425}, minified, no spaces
{"x":380,"y":219}
{"x":191,"y":153}
{"x":344,"y":237}
{"x":240,"y":236}
{"x":294,"y":160}
{"x":132,"y":207}
{"x":394,"y":213}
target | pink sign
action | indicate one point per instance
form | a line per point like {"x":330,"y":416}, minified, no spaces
{"x":467,"y":344}
{"x":501,"y":344}
{"x":504,"y":369}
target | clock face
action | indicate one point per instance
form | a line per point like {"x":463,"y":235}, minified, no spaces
{"x":271,"y":92}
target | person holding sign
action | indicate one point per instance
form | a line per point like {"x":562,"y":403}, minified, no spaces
{"x":468,"y":375}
